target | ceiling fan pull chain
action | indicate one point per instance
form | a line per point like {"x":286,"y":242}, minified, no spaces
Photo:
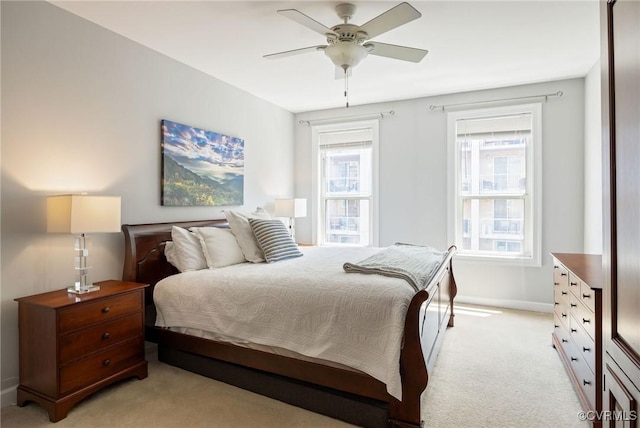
{"x":346,"y":86}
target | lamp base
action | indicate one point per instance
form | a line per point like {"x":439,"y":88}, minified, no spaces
{"x":84,"y":289}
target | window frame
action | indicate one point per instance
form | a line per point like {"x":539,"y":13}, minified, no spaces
{"x":318,"y":220}
{"x":533,"y":192}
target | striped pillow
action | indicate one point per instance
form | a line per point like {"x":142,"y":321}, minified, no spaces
{"x":274,"y":240}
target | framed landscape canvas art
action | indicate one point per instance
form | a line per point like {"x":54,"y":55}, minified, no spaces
{"x":200,"y":167}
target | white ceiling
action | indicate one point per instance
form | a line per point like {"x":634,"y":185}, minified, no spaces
{"x":472,"y":45}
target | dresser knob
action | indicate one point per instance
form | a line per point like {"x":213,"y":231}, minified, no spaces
{"x":106,"y":336}
{"x":563,"y":274}
{"x":573,"y":305}
{"x":564,"y":340}
{"x":573,"y":330}
{"x":556,"y":303}
{"x":564,"y":315}
{"x":105,"y":310}
{"x":556,"y":283}
{"x":106,"y":363}
{"x":564,"y":293}
{"x":586,"y":382}
{"x":556,"y":266}
{"x":585,"y":349}
{"x":556,"y":326}
{"x":586,"y":296}
{"x":586,"y":321}
{"x":573,"y":283}
{"x":574,"y":359}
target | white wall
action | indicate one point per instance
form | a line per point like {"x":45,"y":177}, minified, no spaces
{"x":81,"y":111}
{"x":593,"y":163}
{"x":413,"y":181}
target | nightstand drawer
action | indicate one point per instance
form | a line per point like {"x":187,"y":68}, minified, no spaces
{"x":95,"y":338}
{"x":80,"y":316}
{"x":89,"y":370}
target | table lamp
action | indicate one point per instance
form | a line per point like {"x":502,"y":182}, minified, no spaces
{"x":291,"y":208}
{"x":80,"y":215}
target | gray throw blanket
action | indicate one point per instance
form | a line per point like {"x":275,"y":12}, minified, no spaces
{"x":414,"y":263}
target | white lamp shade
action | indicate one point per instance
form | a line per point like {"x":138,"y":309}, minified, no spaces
{"x":77,"y":214}
{"x":291,"y":207}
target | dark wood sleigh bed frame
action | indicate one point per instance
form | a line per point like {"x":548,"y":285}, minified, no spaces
{"x":352,"y":396}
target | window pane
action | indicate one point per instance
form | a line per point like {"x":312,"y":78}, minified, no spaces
{"x":347,"y":221}
{"x":493,"y":225}
{"x":347,"y":171}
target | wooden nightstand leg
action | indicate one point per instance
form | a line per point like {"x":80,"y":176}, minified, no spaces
{"x":56,"y":411}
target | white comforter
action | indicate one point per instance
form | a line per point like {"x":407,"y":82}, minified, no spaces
{"x":308,"y":305}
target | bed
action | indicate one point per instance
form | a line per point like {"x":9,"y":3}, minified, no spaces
{"x":337,"y":390}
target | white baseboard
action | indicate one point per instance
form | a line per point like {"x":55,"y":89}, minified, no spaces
{"x":504,"y":303}
{"x":8,"y":396}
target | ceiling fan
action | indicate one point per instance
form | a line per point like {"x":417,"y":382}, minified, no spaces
{"x":348,"y":44}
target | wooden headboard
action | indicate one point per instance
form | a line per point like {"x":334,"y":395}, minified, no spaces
{"x":144,"y":259}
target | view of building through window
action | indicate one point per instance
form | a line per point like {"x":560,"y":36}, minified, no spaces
{"x":492,"y":193}
{"x":346,"y":187}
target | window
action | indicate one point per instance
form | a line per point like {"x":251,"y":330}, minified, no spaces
{"x":346,"y":183}
{"x":494,"y":181}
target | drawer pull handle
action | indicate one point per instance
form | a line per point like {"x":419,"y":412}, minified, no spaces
{"x":106,"y":336}
{"x":586,"y":296}
{"x":585,"y":349}
{"x":564,"y":340}
{"x":586,"y":321}
{"x":564,"y":293}
{"x":556,"y":303}
{"x":573,"y":283}
{"x":556,"y":326}
{"x":106,"y":363}
{"x":105,"y":310}
{"x":556,"y":267}
{"x":573,"y":305}
{"x":564,"y":315}
{"x":563,"y":274}
{"x":556,"y":283}
{"x":574,"y":359}
{"x":586,"y":382}
{"x":573,"y":330}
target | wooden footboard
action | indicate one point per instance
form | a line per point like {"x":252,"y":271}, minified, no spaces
{"x":339,"y":393}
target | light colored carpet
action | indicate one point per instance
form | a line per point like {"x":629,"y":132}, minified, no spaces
{"x":496,"y":368}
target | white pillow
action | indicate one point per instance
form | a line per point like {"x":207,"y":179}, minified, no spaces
{"x":170,"y":253}
{"x":188,"y":250}
{"x":220,"y":246}
{"x":239,"y":224}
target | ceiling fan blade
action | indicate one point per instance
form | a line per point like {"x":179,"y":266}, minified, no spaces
{"x":394,"y":17}
{"x":340,"y":73}
{"x":307,"y":21}
{"x":403,"y":53}
{"x":295,"y":52}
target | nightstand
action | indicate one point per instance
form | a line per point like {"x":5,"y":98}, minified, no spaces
{"x":72,"y":345}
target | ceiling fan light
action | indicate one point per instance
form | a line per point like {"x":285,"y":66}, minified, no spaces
{"x":346,"y":54}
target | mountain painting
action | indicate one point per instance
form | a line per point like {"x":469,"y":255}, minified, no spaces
{"x":201,"y":168}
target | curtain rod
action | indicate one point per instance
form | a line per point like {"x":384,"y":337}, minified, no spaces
{"x":380,"y":115}
{"x":545,"y":96}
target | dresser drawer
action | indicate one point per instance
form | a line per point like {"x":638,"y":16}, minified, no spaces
{"x":86,"y":371}
{"x":79,"y":316}
{"x":574,"y":284}
{"x":585,"y":377}
{"x":92,"y":339}
{"x":588,"y":297}
{"x":583,"y":316}
{"x":584,"y":344}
